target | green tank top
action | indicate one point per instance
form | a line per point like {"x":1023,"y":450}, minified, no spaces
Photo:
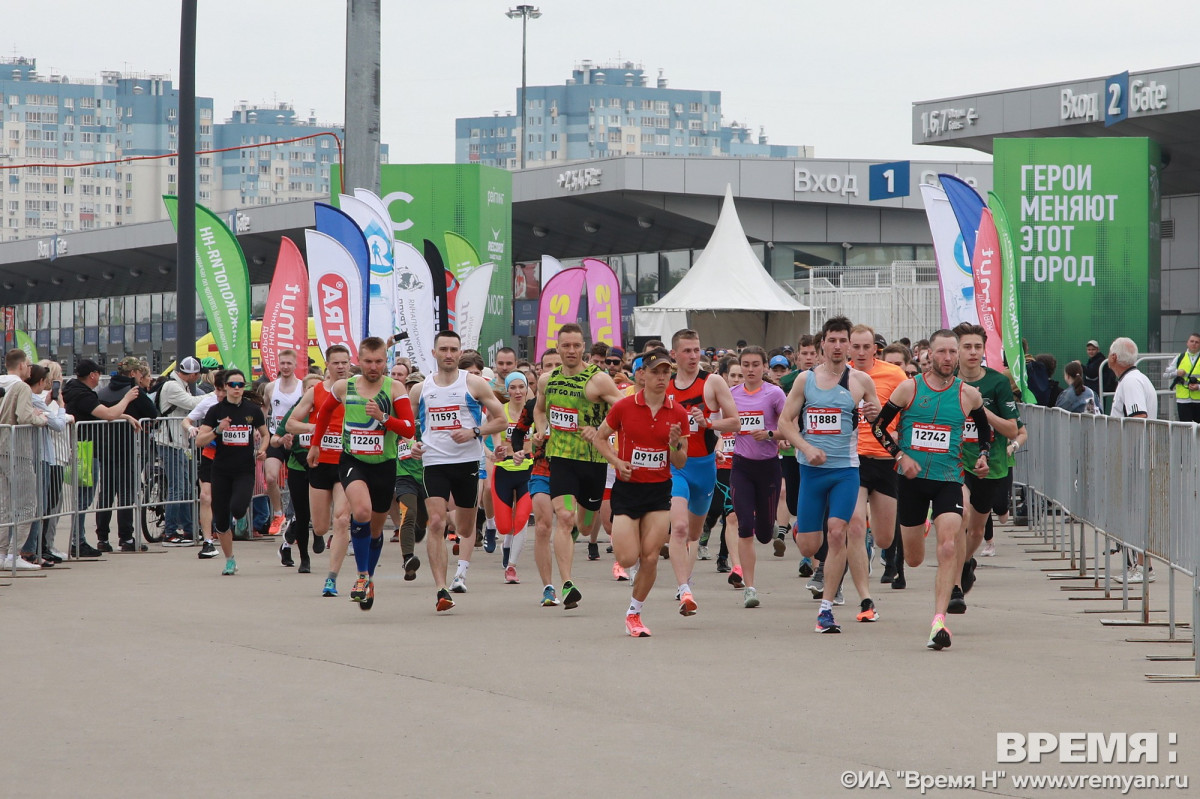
{"x":569,"y":411}
{"x":931,"y":431}
{"x":408,"y":464}
{"x":998,"y":398}
{"x":363,"y":437}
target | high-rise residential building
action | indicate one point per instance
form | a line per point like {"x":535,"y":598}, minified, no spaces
{"x":609,"y":110}
{"x":54,"y":130}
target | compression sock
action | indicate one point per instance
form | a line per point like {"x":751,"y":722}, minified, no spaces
{"x":360,"y":534}
{"x":374,"y":553}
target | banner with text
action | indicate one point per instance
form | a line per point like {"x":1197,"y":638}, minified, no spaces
{"x":338,"y":225}
{"x":985,"y":268}
{"x":954,"y":263}
{"x":559,"y":306}
{"x":377,"y":232}
{"x":336,"y":287}
{"x":1010,"y":302}
{"x":604,"y":302}
{"x":285,"y":318}
{"x":416,"y":309}
{"x":1084,"y":216}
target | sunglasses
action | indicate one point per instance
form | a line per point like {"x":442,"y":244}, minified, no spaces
{"x":613,"y":361}
{"x":235,"y":385}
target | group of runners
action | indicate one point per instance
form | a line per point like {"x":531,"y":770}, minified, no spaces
{"x":881,"y":459}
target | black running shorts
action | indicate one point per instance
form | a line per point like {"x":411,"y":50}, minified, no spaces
{"x":982,"y":492}
{"x":457,"y":480}
{"x":324,"y":477}
{"x":583,"y":480}
{"x":635,"y":500}
{"x":878,"y":475}
{"x":919,"y":494}
{"x":379,"y":477}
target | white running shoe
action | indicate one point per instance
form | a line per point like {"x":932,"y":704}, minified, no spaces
{"x":458,"y":585}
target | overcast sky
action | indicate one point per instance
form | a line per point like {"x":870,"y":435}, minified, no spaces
{"x":840,"y":76}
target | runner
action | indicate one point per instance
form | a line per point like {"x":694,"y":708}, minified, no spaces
{"x":450,"y":404}
{"x":756,"y":476}
{"x":571,"y":399}
{"x":539,"y":485}
{"x":933,"y":408}
{"x":651,"y":429}
{"x":232,"y":424}
{"x":204,"y":468}
{"x":721,"y":509}
{"x":821,"y":420}
{"x":510,"y":480}
{"x":610,"y":474}
{"x":375,"y":411}
{"x":805,"y":358}
{"x":410,"y":492}
{"x":692,"y":486}
{"x":1001,"y":409}
{"x":280,"y":395}
{"x":325,"y":491}
{"x":877,"y":477}
{"x":297,"y":480}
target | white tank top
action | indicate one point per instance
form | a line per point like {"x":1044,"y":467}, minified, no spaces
{"x":442,"y":410}
{"x":282,"y":402}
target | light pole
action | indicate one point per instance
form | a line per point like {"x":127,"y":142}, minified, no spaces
{"x":526,"y":13}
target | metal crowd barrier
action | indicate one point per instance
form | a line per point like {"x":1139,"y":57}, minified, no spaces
{"x":1134,"y":482}
{"x":134,"y":482}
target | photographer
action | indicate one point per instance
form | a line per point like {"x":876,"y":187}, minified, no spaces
{"x":1186,"y":380}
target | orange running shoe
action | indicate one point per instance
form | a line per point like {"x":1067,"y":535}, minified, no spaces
{"x":276,"y":524}
{"x":687,"y":604}
{"x":619,"y":573}
{"x":359,"y":592}
{"x":634,"y":626}
{"x":453,"y":537}
{"x":444,"y":602}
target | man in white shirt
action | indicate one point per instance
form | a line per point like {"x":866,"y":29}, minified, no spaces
{"x":1135,"y":395}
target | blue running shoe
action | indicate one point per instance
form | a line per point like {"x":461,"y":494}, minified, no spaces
{"x":330,"y":587}
{"x":826,"y":624}
{"x":549,"y":598}
{"x":489,"y":541}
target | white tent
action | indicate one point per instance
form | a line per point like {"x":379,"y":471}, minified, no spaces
{"x":726,"y":296}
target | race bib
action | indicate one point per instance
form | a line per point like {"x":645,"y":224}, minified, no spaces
{"x":445,"y":418}
{"x":404,"y":450}
{"x":728,"y":444}
{"x":970,"y":432}
{"x":822,"y":421}
{"x":237,"y":435}
{"x":648,"y":458}
{"x":331,"y":441}
{"x":565,"y":419}
{"x":930,"y":438}
{"x":752,"y":421}
{"x":304,"y":440}
{"x":366,"y":442}
{"x":508,"y":434}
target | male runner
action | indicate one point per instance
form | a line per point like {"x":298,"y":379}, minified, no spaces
{"x":280,"y":395}
{"x":651,"y":427}
{"x":693,"y":484}
{"x":324,"y":486}
{"x":204,"y":467}
{"x":877,"y":477}
{"x":503,"y":366}
{"x":933,"y":408}
{"x":1001,"y":409}
{"x":375,"y":411}
{"x":820,"y":419}
{"x":571,"y":399}
{"x":449,"y":410}
{"x":805,"y":358}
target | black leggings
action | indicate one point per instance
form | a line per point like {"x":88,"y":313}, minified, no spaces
{"x":231,"y":492}
{"x":1000,"y":502}
{"x":755,"y":485}
{"x":791,"y":482}
{"x":297,"y":480}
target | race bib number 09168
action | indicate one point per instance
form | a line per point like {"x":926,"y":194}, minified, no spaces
{"x":648,"y":458}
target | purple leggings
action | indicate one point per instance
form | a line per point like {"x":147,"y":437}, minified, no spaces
{"x":755,"y":487}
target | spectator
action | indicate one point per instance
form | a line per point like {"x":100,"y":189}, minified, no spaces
{"x":38,"y":544}
{"x":1036,"y":378}
{"x":117,"y":449}
{"x":1092,"y":366}
{"x":1185,"y":377}
{"x":17,"y":475}
{"x":1053,"y":387}
{"x":175,"y":399}
{"x":84,"y":404}
{"x":1135,"y":395}
{"x":1078,"y":398}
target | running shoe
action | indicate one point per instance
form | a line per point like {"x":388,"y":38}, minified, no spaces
{"x":318,"y":544}
{"x":458,"y":585}
{"x":285,"y":555}
{"x":968,"y":575}
{"x":780,"y":546}
{"x":489,"y":540}
{"x":359,"y":591}
{"x":411,"y":564}
{"x":750,"y":598}
{"x":549,"y":598}
{"x":454,"y":538}
{"x":276,"y":524}
{"x":444,"y":602}
{"x":838,"y":599}
{"x":806,"y":569}
{"x":817,"y":583}
{"x":305,"y":566}
{"x":722,"y":565}
{"x":593,"y":551}
{"x":703,"y":554}
{"x":571,"y":596}
{"x":368,"y":600}
{"x":989,"y":550}
{"x":208,"y":550}
{"x":687,"y":604}
{"x":330,"y":588}
{"x":619,"y":573}
{"x":958,"y":604}
{"x":939,"y":637}
{"x":230,"y":566}
{"x":396,"y":537}
{"x":634,"y":626}
{"x":898,"y":582}
{"x":867,"y":612}
{"x":510,"y":575}
{"x":736,"y":579}
{"x":826,"y":624}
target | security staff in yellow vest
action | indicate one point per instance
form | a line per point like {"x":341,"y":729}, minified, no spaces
{"x":1187,"y":381}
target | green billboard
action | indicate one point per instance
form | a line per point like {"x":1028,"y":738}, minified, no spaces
{"x":1084,"y":217}
{"x":428,"y":201}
